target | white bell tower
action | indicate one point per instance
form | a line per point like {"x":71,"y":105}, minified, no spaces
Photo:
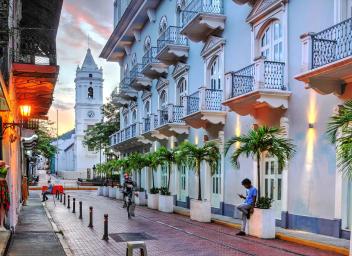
{"x":89,"y":100}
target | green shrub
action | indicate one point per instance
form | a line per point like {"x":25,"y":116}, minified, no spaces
{"x":264,"y":203}
{"x":164,"y":191}
{"x":3,"y":172}
{"x":154,"y":191}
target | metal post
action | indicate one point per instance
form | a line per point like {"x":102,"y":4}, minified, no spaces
{"x":74,"y":205}
{"x":60,"y":197}
{"x":106,"y":223}
{"x":90,"y":217}
{"x":80,"y":210}
{"x":64,"y":198}
{"x":68,"y":202}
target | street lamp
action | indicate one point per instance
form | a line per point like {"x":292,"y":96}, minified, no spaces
{"x":25,"y":111}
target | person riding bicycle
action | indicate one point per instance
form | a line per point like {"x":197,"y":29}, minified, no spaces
{"x":128,"y":188}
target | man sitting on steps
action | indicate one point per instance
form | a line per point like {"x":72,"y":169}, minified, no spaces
{"x":247,"y":207}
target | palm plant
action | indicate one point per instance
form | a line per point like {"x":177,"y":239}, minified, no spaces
{"x":192,"y":156}
{"x":152,"y":160}
{"x":168,"y":157}
{"x":137,"y":162}
{"x":339,"y":131}
{"x":258,"y":141}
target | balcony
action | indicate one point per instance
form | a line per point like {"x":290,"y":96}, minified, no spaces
{"x":128,"y":137}
{"x":172,"y":46}
{"x":203,"y":18}
{"x":258,"y":90}
{"x":327,"y":60}
{"x":125,"y":91}
{"x":170,"y":121}
{"x":138,"y":81}
{"x":149,"y":125}
{"x":152,"y":67}
{"x":204,"y":109}
{"x":117,"y":99}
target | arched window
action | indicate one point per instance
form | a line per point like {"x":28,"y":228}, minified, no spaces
{"x":125,"y":120}
{"x":134,"y":59}
{"x":180,"y":6}
{"x":163,"y":100}
{"x":90,"y":93}
{"x":271,"y":42}
{"x":215,"y":76}
{"x":90,"y":75}
{"x":147,"y":44}
{"x":181,"y":91}
{"x":147,"y":108}
{"x":162,"y":24}
{"x":125,"y":70}
{"x":134,"y":116}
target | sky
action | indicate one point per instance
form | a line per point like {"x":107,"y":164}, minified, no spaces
{"x":80,"y":19}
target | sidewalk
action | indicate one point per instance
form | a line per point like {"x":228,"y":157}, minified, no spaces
{"x":34,"y":233}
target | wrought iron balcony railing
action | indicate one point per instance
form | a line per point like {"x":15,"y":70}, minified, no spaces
{"x":204,"y":100}
{"x":150,"y":57}
{"x":125,"y":84}
{"x":136,"y":71}
{"x":171,"y":36}
{"x":150,"y":123}
{"x":202,"y":6}
{"x":37,"y":46}
{"x":171,"y":114}
{"x":332,"y":44}
{"x":252,"y":78}
{"x":124,"y":134}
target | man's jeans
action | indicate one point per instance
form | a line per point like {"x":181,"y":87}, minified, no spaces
{"x":244,"y":208}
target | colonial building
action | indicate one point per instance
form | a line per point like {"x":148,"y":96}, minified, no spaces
{"x":73,"y":154}
{"x":202,"y":70}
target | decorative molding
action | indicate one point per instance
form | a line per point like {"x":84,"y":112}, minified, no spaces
{"x":214,"y":43}
{"x":161,"y":84}
{"x":151,"y":15}
{"x":146,"y":95}
{"x":179,"y":70}
{"x":262,"y":8}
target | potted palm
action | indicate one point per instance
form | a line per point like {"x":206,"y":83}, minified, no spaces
{"x":167,"y":157}
{"x":137,"y":162}
{"x":153,"y":161}
{"x":123,"y":166}
{"x":339,"y":131}
{"x":258,"y":141}
{"x":110,"y":170}
{"x":192,"y":156}
{"x":101,"y":169}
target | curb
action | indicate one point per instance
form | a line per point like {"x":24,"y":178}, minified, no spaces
{"x":58,"y":233}
{"x":283,"y":237}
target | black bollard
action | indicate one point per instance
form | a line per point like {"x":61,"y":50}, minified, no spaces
{"x":64,"y":198}
{"x":106,"y":222}
{"x":74,"y":205}
{"x":90,"y":217}
{"x":80,"y":210}
{"x":68,"y":202}
{"x":60,"y":197}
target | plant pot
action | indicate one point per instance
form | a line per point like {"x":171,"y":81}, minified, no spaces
{"x":100,"y":191}
{"x":166,"y":203}
{"x":112,"y":192}
{"x":262,"y":223}
{"x":200,"y":210}
{"x":119,"y":194}
{"x":141,"y":198}
{"x":153,"y":201}
{"x":106,"y":191}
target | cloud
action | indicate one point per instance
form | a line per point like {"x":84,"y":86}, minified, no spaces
{"x":62,"y":105}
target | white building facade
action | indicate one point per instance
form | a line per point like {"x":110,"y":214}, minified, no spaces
{"x":206,"y":70}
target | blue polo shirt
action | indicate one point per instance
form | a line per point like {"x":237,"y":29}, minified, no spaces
{"x":250,"y":194}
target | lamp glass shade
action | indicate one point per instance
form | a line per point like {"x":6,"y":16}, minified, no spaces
{"x":25,"y":110}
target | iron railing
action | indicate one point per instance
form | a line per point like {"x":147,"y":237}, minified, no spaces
{"x":170,"y":114}
{"x":136,"y":71}
{"x":125,"y":83}
{"x":124,"y":134}
{"x":243,"y":81}
{"x":36,"y":46}
{"x":171,"y":36}
{"x":193,"y":103}
{"x":202,"y":6}
{"x":163,"y":116}
{"x":213,"y":99}
{"x":150,"y":57}
{"x":146,"y":124}
{"x":332,"y":44}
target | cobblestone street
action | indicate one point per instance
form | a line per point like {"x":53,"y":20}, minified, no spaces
{"x":173,"y":234}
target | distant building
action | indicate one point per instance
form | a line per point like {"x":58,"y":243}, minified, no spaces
{"x":73,"y":155}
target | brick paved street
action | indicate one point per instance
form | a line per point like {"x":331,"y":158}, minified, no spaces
{"x":174,"y":234}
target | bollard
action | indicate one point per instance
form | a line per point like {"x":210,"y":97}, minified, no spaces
{"x":80,"y":210}
{"x":60,"y":197}
{"x":68,"y":202}
{"x":106,"y":222}
{"x":90,"y":217}
{"x":74,"y":205}
{"x":64,"y":198}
